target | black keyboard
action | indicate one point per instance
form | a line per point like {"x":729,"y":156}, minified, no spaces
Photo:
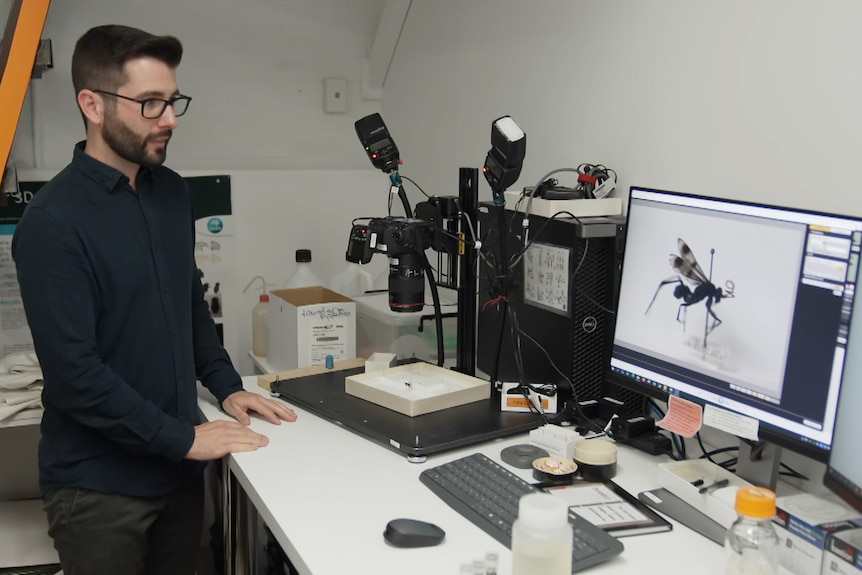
{"x":487,"y":494}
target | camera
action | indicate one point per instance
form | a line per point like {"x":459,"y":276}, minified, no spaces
{"x":404,"y":241}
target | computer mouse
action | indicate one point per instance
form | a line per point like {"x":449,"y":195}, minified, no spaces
{"x":412,"y":533}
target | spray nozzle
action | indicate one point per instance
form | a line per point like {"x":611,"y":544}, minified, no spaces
{"x":263,"y":284}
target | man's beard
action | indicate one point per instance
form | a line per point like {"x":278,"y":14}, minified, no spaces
{"x":132,"y":147}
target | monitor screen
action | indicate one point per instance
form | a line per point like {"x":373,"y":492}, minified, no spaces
{"x":844,"y":472}
{"x":744,"y":308}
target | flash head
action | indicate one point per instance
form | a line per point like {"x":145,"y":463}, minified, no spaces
{"x":378,"y":143}
{"x":506,"y":156}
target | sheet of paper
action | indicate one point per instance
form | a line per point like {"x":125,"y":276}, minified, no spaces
{"x":683,"y":417}
{"x":733,"y":423}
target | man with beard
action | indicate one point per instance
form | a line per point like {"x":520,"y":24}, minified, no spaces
{"x":105,"y":260}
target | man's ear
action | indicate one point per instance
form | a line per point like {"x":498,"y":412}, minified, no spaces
{"x":92,"y":106}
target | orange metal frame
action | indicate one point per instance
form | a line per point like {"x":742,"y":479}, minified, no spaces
{"x":17,"y":56}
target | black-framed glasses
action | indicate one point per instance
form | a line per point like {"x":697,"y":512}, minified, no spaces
{"x":153,"y":108}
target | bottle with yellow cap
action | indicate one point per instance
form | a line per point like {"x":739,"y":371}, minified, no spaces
{"x":751,"y":543}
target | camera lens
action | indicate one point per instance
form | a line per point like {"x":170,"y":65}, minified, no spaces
{"x":406,"y":283}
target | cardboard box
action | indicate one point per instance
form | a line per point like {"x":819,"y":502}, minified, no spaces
{"x":417,"y":388}
{"x":804,"y":522}
{"x":304,"y":325}
{"x":685,"y":478}
{"x":843,"y":553}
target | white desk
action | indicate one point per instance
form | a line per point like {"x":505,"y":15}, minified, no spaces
{"x":327,"y":494}
{"x":261,"y":364}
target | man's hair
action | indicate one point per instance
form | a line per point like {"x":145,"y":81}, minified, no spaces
{"x":98,"y":62}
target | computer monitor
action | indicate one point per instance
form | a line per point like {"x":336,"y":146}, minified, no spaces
{"x":844,"y":471}
{"x":743,"y":308}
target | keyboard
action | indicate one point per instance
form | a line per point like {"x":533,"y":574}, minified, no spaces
{"x":487,"y":494}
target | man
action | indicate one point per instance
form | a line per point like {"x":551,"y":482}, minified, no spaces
{"x":105,"y":260}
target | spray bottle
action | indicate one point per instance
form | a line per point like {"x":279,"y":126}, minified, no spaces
{"x":259,"y":345}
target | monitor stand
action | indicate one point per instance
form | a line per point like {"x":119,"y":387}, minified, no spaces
{"x":759,"y":463}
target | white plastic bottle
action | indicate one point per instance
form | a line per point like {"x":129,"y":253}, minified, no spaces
{"x":353,"y":280}
{"x":751,"y":543}
{"x":259,"y":346}
{"x":303,"y":276}
{"x":542,"y":536}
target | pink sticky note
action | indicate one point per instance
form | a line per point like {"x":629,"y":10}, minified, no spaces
{"x":683,"y":417}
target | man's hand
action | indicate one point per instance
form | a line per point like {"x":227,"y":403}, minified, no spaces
{"x":216,"y":439}
{"x":240,"y":403}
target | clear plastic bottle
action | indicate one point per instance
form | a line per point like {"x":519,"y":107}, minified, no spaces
{"x":303,"y":276}
{"x":751,"y":543}
{"x":259,"y":345}
{"x":542,"y":536}
{"x":353,"y":280}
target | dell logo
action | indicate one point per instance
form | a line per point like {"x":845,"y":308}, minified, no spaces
{"x":589,"y":324}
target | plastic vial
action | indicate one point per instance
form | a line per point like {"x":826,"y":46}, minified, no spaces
{"x":541,"y":536}
{"x":303,"y":276}
{"x":258,"y":326}
{"x":751,"y":543}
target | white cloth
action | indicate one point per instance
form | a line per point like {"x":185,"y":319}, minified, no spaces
{"x":20,"y":385}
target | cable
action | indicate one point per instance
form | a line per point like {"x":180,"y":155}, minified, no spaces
{"x":596,"y":426}
{"x":527,"y":210}
{"x":732,"y":462}
{"x":793,"y":473}
{"x":592,"y":177}
{"x":708,"y":454}
{"x":418,"y":187}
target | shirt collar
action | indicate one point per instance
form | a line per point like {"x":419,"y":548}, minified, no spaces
{"x":110,"y":178}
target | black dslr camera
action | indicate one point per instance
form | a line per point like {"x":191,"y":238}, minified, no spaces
{"x":404,"y":241}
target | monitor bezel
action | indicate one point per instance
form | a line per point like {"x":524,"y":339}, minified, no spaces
{"x":767,"y":432}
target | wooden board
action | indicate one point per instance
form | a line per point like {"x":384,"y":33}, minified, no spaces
{"x":265,"y":381}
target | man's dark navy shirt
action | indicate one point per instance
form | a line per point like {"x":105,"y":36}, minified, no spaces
{"x":121,"y":328}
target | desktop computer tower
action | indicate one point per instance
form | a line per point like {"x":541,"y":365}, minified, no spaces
{"x":560,"y":295}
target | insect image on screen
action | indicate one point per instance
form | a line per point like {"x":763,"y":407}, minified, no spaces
{"x":689,"y":273}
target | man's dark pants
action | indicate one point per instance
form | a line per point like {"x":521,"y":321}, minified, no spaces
{"x":98,"y":533}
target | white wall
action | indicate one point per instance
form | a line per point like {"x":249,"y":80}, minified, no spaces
{"x":254,"y":68}
{"x":754,"y":100}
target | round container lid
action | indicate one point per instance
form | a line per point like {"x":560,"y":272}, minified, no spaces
{"x":756,"y":502}
{"x":543,"y":511}
{"x":595,"y":452}
{"x":264,"y":297}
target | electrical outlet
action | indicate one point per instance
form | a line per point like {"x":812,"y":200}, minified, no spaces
{"x":334,"y":95}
